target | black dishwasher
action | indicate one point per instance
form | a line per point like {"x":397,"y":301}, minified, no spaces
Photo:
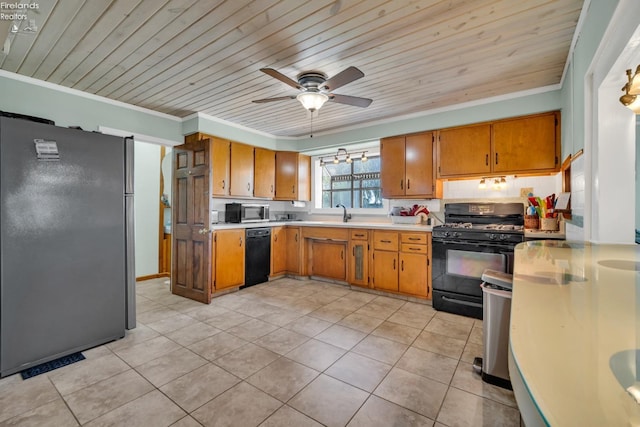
{"x":257,"y":260}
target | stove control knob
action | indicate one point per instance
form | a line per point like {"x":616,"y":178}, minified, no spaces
{"x":493,"y":236}
{"x":456,"y":234}
{"x":503,"y":237}
{"x":445,"y":234}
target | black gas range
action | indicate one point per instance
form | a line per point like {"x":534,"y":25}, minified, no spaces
{"x":474,"y":237}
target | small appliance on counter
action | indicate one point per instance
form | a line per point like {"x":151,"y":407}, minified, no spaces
{"x":215,"y":217}
{"x":246,"y":212}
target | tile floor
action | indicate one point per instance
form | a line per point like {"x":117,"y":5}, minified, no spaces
{"x":284,"y":353}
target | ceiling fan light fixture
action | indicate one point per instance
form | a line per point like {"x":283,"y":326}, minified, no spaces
{"x":312,"y":101}
{"x":634,"y":84}
{"x":631,"y":97}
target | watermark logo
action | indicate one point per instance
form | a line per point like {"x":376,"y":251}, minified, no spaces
{"x":14,"y":11}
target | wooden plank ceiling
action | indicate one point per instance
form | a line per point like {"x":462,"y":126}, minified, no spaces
{"x":185,"y":56}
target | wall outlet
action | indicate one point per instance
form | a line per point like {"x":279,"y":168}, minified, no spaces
{"x":524,"y":191}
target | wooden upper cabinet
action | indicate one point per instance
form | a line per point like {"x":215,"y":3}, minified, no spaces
{"x":407,"y":168}
{"x":264,"y":180}
{"x":220,"y":166}
{"x":522,"y":145}
{"x":241,"y":170}
{"x":419,"y":164}
{"x":392,"y":166}
{"x":464,"y":151}
{"x":528,"y":144}
{"x":293,"y":176}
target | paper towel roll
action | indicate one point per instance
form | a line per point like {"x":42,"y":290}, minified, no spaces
{"x":297,"y":204}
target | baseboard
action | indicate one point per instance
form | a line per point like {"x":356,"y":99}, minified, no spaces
{"x":152,"y":276}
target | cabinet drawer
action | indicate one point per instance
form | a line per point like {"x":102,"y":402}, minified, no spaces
{"x":325,"y":233}
{"x":359,"y":234}
{"x":385,"y":240}
{"x":419,"y":238}
{"x":413,"y":248}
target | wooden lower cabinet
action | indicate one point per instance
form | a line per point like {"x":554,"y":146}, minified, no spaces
{"x":229,"y":258}
{"x":329,"y":259}
{"x":385,"y":267}
{"x":278,"y":251}
{"x":401,"y":262}
{"x":359,"y":263}
{"x":293,"y":244}
{"x":412,"y":277}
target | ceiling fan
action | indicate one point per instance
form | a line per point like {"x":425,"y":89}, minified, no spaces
{"x":316,"y":88}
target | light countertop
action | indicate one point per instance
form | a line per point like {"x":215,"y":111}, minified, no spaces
{"x":540,"y":234}
{"x":575,"y":330}
{"x":369,"y":225}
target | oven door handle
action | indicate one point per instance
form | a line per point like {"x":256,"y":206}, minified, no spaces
{"x":455,"y":301}
{"x":487,"y":244}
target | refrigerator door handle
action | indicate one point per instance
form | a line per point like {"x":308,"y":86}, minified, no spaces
{"x":128,"y":164}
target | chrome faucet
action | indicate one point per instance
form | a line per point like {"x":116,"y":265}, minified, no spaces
{"x":345,"y":216}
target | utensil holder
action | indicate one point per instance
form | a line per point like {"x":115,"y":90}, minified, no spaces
{"x":549,"y":224}
{"x":531,"y":222}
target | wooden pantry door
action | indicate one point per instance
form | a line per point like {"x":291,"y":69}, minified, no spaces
{"x":191,"y":272}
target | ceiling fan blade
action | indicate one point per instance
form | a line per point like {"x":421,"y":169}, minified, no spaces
{"x":278,"y":75}
{"x":280,"y":98}
{"x":350,"y":100}
{"x":342,"y":78}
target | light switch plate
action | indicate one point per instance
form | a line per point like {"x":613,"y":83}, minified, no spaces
{"x":524,"y":191}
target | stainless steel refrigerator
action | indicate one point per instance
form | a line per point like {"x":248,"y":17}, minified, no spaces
{"x":67,"y":278}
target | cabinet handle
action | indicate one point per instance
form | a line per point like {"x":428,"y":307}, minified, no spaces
{"x":272,"y":188}
{"x":353,"y":251}
{"x":341,"y":254}
{"x":402,"y":265}
{"x":496,"y":158}
{"x":486,"y":160}
{"x":402,"y":184}
{"x":408,"y":184}
{"x":275,"y":238}
{"x":385,"y":241}
{"x":394,"y":264}
{"x":414,"y":249}
{"x":241,"y":241}
{"x":359,"y":235}
{"x":293,"y":189}
{"x":223,"y":184}
{"x":296,"y":237}
{"x":414,"y":238}
{"x":248,"y":186}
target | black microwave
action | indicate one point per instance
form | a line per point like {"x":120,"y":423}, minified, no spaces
{"x":246,"y":212}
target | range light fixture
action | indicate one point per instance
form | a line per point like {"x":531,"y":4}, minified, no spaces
{"x":631,"y":97}
{"x":312,"y":101}
{"x":344,"y":155}
{"x":499,"y":183}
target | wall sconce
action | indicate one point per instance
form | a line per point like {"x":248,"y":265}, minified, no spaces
{"x":631,"y":97}
{"x":343,"y":155}
{"x":499,"y":183}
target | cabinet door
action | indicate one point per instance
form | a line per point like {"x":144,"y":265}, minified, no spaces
{"x":286,"y":175}
{"x":385,"y":270}
{"x":241,"y":170}
{"x":329,"y":259}
{"x":293,"y":249}
{"x":413,"y":274}
{"x":278,"y":251}
{"x":525,"y":145}
{"x":392,"y":166}
{"x":230,"y":246}
{"x":264,"y":180}
{"x":303,"y":178}
{"x":464,"y":151}
{"x":220,"y":165}
{"x":359,"y":263}
{"x":419,"y":176}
